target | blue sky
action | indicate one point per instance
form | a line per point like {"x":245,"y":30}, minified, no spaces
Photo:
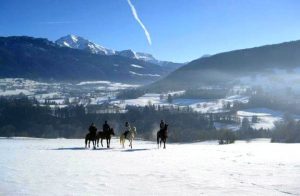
{"x":181,"y":30}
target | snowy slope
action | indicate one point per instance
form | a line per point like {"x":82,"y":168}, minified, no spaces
{"x":266,"y":117}
{"x":64,"y":167}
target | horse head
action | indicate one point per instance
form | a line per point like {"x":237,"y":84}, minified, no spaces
{"x":165,"y":130}
{"x":134,"y":130}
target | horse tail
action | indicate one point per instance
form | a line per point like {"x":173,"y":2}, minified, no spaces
{"x":158,"y":139}
{"x":85,"y":141}
{"x":121,"y":138}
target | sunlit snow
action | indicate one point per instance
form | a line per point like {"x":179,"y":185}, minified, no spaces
{"x":64,"y":167}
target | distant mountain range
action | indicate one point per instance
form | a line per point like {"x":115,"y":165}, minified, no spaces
{"x":77,"y":42}
{"x":276,"y":65}
{"x":74,"y":58}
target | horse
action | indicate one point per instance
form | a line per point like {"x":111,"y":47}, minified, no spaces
{"x":162,"y":136}
{"x":90,"y":137}
{"x":130,"y":136}
{"x":105,"y":135}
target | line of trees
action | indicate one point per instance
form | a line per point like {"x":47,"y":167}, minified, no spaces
{"x":25,"y":117}
{"x":20,"y":116}
{"x":287,"y":131}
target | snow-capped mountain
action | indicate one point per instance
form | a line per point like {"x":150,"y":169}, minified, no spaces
{"x":76,"y":42}
{"x":137,"y":55}
{"x":140,"y":56}
{"x":40,"y":58}
{"x":127,"y":53}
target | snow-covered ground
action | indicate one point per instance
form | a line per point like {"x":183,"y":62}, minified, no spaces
{"x":198,"y":105}
{"x":107,"y":85}
{"x":144,"y":75}
{"x":266,"y":117}
{"x":15,"y":92}
{"x":144,"y":100}
{"x":63,"y":167}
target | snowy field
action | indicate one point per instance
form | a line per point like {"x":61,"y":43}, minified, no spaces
{"x":63,"y":167}
{"x":266,"y":117}
{"x":198,"y":105}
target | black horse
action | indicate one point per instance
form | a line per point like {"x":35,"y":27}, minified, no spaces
{"x":90,"y":137}
{"x":105,"y":135}
{"x":162,"y":136}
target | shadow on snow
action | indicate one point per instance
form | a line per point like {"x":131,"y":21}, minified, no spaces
{"x":134,"y":150}
{"x":100,"y":149}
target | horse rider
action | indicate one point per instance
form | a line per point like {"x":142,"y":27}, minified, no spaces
{"x":93,"y":129}
{"x":127,"y":129}
{"x":105,"y":127}
{"x":162,"y":125}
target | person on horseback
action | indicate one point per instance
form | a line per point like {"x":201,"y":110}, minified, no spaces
{"x":105,"y":127}
{"x":93,"y":129}
{"x":161,"y":125}
{"x":127,"y":129}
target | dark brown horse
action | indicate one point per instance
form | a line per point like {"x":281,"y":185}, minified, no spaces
{"x":105,"y":135}
{"x":90,"y":137}
{"x":162,"y":136}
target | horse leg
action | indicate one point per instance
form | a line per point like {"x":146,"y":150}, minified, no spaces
{"x":85,"y":142}
{"x":121,"y":141}
{"x":101,"y":142}
{"x":157,"y":141}
{"x":164,"y":143}
{"x":131,"y":144}
{"x":107,"y":145}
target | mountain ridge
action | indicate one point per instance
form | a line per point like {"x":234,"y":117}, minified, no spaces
{"x":227,"y":67}
{"x":39,"y":58}
{"x":78,"y":42}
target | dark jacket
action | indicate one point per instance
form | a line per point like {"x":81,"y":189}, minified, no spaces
{"x":93,"y":129}
{"x":106,"y":127}
{"x":162,"y":125}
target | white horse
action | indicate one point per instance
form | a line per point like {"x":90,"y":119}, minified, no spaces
{"x":130,"y":136}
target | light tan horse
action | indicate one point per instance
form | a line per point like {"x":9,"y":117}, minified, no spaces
{"x":130,"y":136}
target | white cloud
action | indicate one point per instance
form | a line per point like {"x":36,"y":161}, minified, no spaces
{"x":135,"y":15}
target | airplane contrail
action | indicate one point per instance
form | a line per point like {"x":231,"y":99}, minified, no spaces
{"x":135,"y":15}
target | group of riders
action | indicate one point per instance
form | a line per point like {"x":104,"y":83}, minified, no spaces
{"x":106,"y":127}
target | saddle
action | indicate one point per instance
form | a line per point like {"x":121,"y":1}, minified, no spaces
{"x":163,"y":133}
